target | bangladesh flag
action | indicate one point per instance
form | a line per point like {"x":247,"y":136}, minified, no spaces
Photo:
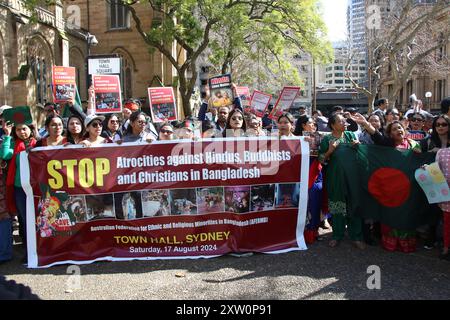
{"x":379,"y":183}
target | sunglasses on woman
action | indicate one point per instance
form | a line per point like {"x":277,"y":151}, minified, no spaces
{"x":97,"y":124}
{"x":166,"y":131}
{"x":443,"y":125}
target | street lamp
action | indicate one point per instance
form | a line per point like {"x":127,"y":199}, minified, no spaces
{"x":91,"y":41}
{"x":428,"y":95}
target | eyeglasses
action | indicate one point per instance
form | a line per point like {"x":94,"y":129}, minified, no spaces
{"x":443,"y":125}
{"x":96,"y":124}
{"x":416,"y":119}
{"x":166,"y":131}
{"x":237,"y":118}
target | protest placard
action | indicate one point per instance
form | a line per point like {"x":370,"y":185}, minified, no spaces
{"x":162,"y":104}
{"x":284,"y":102}
{"x":64,"y":85}
{"x":221,"y":91}
{"x":259,"y":103}
{"x":108,"y":96}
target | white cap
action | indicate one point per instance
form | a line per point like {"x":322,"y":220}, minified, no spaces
{"x":3,"y":108}
{"x":91,"y":118}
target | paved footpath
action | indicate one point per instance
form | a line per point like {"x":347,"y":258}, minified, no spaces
{"x":318,"y":273}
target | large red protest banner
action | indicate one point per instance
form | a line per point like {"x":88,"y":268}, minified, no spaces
{"x":165,"y":200}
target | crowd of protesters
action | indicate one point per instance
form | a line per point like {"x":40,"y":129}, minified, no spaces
{"x":417,"y":130}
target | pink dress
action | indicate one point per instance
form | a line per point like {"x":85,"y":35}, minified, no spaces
{"x":443,"y":159}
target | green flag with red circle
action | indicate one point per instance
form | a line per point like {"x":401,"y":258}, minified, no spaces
{"x":381,"y":185}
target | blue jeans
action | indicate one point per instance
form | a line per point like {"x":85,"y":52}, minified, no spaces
{"x":21,"y":204}
{"x":6,"y":239}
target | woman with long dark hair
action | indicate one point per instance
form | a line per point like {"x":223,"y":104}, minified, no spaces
{"x":75,"y":130}
{"x":440,"y":136}
{"x":235,"y":126}
{"x":23,"y":138}
{"x":112,"y":128}
{"x":285,"y":124}
{"x":94,"y":127}
{"x":55,"y":127}
{"x":136,"y":129}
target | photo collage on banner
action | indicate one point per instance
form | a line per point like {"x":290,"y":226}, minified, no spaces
{"x":59,"y":211}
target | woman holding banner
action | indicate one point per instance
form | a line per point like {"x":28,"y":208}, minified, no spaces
{"x":236,"y":126}
{"x":54,"y":126}
{"x":23,"y":138}
{"x":136,"y":129}
{"x":111,"y":127}
{"x":75,"y":130}
{"x":166,"y":132}
{"x":94,"y":126}
{"x":337,"y":198}
{"x":286,"y":125}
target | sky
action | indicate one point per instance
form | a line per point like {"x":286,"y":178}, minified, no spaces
{"x":335,"y":17}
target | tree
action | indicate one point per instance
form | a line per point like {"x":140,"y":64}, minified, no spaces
{"x":261,"y":51}
{"x":190,"y":24}
{"x":407,"y":43}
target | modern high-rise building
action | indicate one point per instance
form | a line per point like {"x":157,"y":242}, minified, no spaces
{"x":335,"y":73}
{"x":356,"y":27}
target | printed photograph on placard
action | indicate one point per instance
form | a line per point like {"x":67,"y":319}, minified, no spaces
{"x":237,"y":199}
{"x":210,"y":200}
{"x":77,"y":206}
{"x":56,"y":216}
{"x":65,"y":92}
{"x":287,"y":195}
{"x":155,"y":203}
{"x":262,"y":197}
{"x":184,"y":201}
{"x":221,"y":91}
{"x":106,"y":101}
{"x":100,"y":207}
{"x":128,"y":205}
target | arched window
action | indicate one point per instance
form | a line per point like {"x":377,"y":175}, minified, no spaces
{"x":40,"y":63}
{"x":126,"y":74}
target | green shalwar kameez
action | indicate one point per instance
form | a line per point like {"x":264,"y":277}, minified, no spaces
{"x":336,"y":189}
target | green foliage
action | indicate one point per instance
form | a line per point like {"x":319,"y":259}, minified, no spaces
{"x":23,"y":73}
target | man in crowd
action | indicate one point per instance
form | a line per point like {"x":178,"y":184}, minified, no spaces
{"x":382,"y":105}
